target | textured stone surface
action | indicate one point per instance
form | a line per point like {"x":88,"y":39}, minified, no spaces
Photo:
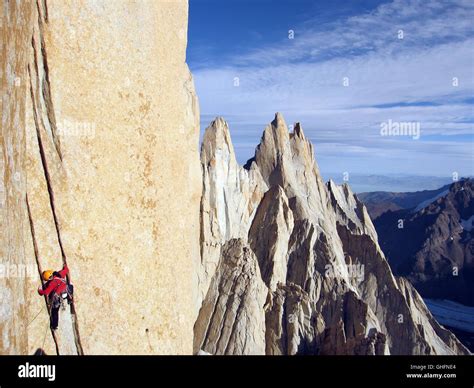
{"x":229,"y":201}
{"x":269,"y":236}
{"x":103,"y":131}
{"x":16,"y":35}
{"x":287,"y":317}
{"x":232,"y":318}
{"x":330,"y":288}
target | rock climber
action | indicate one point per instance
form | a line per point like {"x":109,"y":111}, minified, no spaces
{"x":57,"y":290}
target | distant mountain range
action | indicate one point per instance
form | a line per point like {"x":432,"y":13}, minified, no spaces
{"x":379,"y":202}
{"x":361,"y":183}
{"x":427,"y":237}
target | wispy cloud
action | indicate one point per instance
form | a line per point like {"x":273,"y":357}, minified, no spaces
{"x":420,"y":23}
{"x":404,"y":61}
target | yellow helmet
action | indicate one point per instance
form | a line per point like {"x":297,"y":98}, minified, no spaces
{"x":47,"y":275}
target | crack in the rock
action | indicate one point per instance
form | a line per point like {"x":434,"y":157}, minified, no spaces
{"x":45,"y":9}
{"x":238,"y":312}
{"x":53,"y":210}
{"x":46,"y":85}
{"x":227,"y":313}
{"x":38,"y":265}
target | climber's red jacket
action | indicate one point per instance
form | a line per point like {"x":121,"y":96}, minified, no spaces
{"x":56,"y":284}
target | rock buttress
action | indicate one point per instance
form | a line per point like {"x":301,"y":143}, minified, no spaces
{"x":104,"y":143}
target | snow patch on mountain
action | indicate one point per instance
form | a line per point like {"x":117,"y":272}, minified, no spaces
{"x":429,"y":201}
{"x":452,"y":314}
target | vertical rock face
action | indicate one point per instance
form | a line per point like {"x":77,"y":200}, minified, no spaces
{"x":329,"y":287}
{"x":231,"y":320}
{"x":16,"y":35}
{"x":269,"y":236}
{"x":229,"y":200}
{"x":100,"y":171}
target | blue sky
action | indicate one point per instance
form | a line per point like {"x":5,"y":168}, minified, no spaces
{"x":351,"y":66}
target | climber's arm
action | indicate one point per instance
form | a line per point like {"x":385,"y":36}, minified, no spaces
{"x":64,"y":271}
{"x":47,"y":290}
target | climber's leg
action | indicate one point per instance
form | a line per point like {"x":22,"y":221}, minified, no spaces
{"x":54,"y":317}
{"x":70,"y":294}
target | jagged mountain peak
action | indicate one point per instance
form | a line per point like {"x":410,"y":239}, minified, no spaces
{"x":298,"y":131}
{"x":276,"y":138}
{"x":219,"y":121}
{"x":216,"y":141}
{"x":276,"y":134}
{"x":272,"y":151}
{"x":350,"y":210}
{"x":279,"y":122}
{"x":287,"y":160}
{"x":329,"y":287}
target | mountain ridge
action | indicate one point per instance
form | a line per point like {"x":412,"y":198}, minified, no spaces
{"x":306,"y":238}
{"x":434,"y":246}
{"x":379,"y":202}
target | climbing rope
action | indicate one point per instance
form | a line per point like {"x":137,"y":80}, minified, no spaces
{"x":36,"y":316}
{"x":46,"y":331}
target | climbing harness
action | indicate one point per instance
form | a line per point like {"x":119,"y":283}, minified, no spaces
{"x":63,"y":299}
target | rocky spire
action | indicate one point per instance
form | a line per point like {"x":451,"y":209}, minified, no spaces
{"x":229,"y":200}
{"x":329,"y":287}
